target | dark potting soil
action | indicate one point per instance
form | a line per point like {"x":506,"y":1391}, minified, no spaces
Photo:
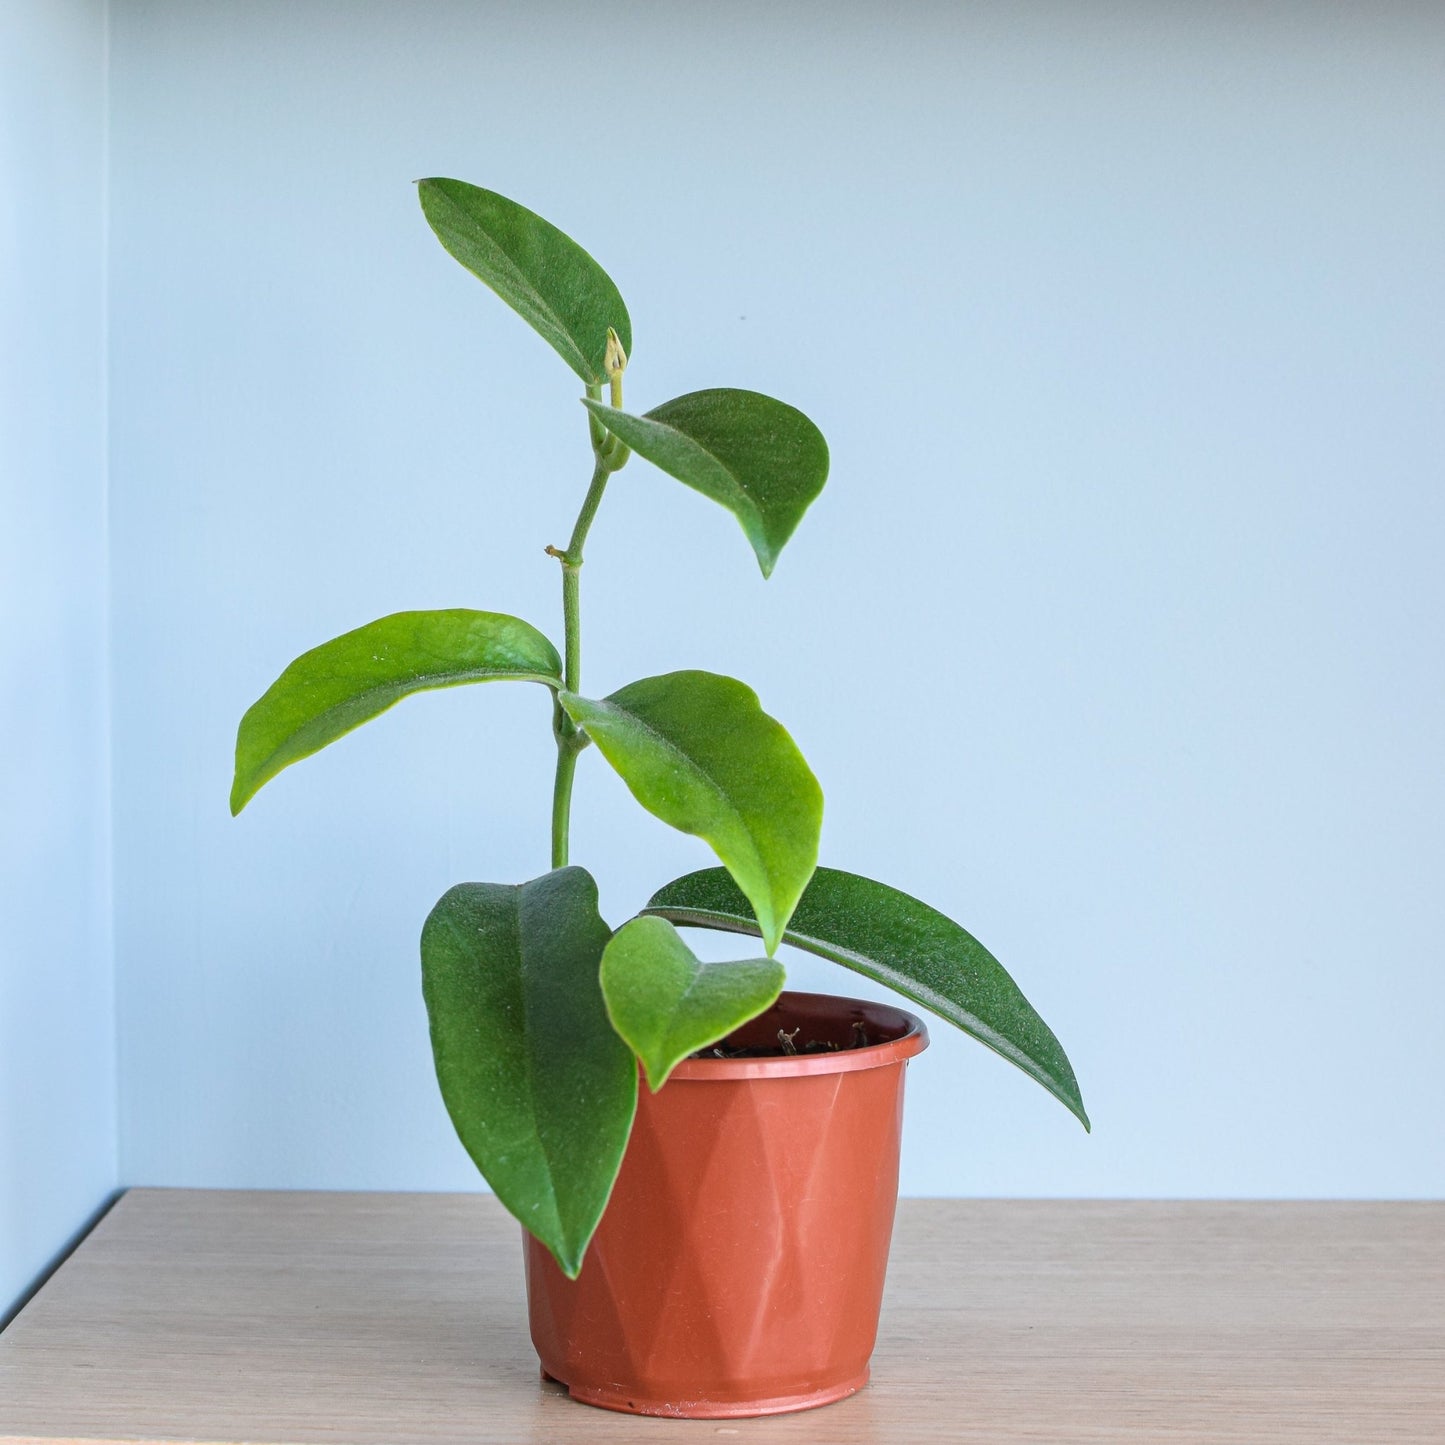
{"x":787,"y":1043}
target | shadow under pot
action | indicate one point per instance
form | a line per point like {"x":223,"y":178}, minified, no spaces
{"x":738,"y":1268}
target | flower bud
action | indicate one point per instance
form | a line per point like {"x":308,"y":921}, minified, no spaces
{"x":614,"y":363}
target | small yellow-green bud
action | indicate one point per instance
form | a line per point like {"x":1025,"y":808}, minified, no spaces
{"x":615,"y":360}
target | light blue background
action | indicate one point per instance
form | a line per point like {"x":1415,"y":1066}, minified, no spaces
{"x":57,"y":1027}
{"x":1116,"y":633}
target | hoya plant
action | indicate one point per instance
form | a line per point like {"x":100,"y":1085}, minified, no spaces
{"x":540,"y":1012}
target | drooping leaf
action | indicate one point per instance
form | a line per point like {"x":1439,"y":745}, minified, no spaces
{"x":762,"y":459}
{"x":539,"y":271}
{"x":699,"y":752}
{"x":338,"y":686}
{"x":667,"y":1003}
{"x":896,"y":940}
{"x":541,"y":1089}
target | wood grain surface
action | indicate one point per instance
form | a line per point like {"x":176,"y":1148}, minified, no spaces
{"x":388,"y":1319}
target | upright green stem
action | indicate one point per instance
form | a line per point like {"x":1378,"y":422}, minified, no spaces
{"x":562,"y":795}
{"x":610,"y":455}
{"x":571,"y":567}
{"x":570,"y":742}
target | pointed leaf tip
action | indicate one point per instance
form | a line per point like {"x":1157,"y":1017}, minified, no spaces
{"x":539,"y":271}
{"x":760,"y":458}
{"x":895,"y":939}
{"x":697,"y":750}
{"x":538,"y":1084}
{"x":327,"y":692}
{"x":667,"y":1003}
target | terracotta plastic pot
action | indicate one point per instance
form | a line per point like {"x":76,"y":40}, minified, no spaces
{"x":739,"y":1267}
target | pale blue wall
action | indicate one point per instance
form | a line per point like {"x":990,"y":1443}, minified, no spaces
{"x":57,"y":1022}
{"x":1116,"y":634}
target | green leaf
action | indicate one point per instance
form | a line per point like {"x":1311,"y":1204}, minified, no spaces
{"x":338,"y":686}
{"x":539,"y":1086}
{"x":898,"y":941}
{"x":540,"y":272}
{"x":698,"y":752}
{"x":667,"y":1003}
{"x":762,"y":459}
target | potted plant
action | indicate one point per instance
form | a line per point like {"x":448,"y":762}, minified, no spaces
{"x":752,"y":1171}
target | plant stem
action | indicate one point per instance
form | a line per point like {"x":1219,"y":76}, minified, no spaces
{"x":570,"y":742}
{"x":610,"y":455}
{"x":571,"y":567}
{"x":562,"y":794}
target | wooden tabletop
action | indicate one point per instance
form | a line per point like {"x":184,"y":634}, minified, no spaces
{"x":397,"y":1319}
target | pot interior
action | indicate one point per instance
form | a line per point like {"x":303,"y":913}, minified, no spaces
{"x":844,"y":1023}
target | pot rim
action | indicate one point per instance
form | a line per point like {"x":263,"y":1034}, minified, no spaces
{"x":912,"y":1040}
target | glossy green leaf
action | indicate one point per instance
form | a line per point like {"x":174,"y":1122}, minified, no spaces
{"x":539,"y":271}
{"x":898,"y":941}
{"x":338,"y":686}
{"x":699,"y":752}
{"x":762,"y":459}
{"x":667,"y":1003}
{"x":541,"y":1089}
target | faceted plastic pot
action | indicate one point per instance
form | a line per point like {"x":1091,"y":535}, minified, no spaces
{"x":738,"y":1269}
